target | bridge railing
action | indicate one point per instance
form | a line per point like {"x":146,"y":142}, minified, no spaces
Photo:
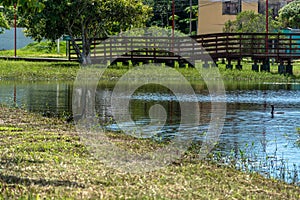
{"x":141,"y":48}
{"x":230,"y":45}
{"x":281,"y":46}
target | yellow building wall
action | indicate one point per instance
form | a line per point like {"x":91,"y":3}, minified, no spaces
{"x":211,"y":19}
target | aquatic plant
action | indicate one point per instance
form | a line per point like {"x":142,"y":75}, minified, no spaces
{"x":247,"y":159}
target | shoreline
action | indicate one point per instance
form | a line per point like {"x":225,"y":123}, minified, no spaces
{"x":67,"y":71}
{"x":44,"y":158}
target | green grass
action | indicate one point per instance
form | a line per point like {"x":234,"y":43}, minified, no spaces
{"x":22,"y":70}
{"x":39,"y":49}
{"x":43,"y":158}
{"x":246,"y":74}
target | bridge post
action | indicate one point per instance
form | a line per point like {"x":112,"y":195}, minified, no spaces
{"x":229,"y":65}
{"x":215,"y":63}
{"x":238,"y":65}
{"x":281,"y":68}
{"x":255,"y":66}
{"x":265,"y":65}
{"x":289,"y":68}
{"x":206,"y":64}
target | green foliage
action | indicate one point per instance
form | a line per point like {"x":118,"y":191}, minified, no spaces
{"x":34,"y":71}
{"x":94,"y":18}
{"x":85,"y":19}
{"x":43,"y":49}
{"x":162,"y":14}
{"x":289,"y":15}
{"x":250,"y":22}
{"x":24,"y":5}
{"x":3,"y":23}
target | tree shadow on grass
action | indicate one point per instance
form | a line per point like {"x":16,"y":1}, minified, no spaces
{"x":9,"y":179}
{"x":13,"y":161}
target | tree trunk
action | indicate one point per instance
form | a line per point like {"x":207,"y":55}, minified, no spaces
{"x":84,"y":54}
{"x":76,"y":47}
{"x":77,"y":50}
{"x":86,"y":59}
{"x":86,"y":45}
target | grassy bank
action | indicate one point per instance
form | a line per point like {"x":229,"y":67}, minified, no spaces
{"x":39,"y":49}
{"x":23,"y":70}
{"x":44,"y":158}
{"x":247,"y":74}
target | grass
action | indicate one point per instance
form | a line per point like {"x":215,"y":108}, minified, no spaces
{"x":38,"y":49}
{"x":246,"y":74}
{"x":43,"y":158}
{"x":22,"y":70}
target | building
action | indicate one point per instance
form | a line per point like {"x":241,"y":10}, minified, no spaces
{"x":214,"y":13}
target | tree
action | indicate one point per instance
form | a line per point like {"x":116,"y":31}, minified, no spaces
{"x":85,"y":19}
{"x":250,"y":22}
{"x":3,"y":23}
{"x":24,"y":5}
{"x":289,"y":15}
{"x":162,"y":14}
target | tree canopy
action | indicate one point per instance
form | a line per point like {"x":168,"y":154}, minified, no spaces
{"x":24,"y":5}
{"x":3,"y":23}
{"x":162,"y":14}
{"x":250,"y":22}
{"x":289,"y":15}
{"x":85,"y":19}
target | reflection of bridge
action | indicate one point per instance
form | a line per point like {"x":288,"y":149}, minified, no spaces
{"x":260,"y":47}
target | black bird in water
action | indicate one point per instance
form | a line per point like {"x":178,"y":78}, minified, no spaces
{"x":272,"y":111}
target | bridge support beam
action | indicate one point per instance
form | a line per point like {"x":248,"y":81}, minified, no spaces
{"x":255,"y":66}
{"x":229,"y":65}
{"x":289,"y":68}
{"x":215,"y":64}
{"x":206,"y":64}
{"x":238,"y":65}
{"x":265,"y":65}
{"x":281,"y":68}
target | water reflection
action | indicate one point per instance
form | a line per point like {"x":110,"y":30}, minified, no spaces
{"x":49,"y":98}
{"x":248,"y":123}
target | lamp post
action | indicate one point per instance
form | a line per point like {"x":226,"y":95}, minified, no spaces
{"x":173,"y":17}
{"x":267,"y":25}
{"x":15,"y":24}
{"x":191,"y":15}
{"x":267,"y":62}
{"x":173,"y":23}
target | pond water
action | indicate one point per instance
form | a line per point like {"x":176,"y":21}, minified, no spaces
{"x":268,"y":144}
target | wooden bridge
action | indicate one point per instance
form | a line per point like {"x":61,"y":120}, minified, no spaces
{"x":283,"y":48}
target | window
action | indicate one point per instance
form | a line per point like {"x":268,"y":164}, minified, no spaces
{"x":231,"y":7}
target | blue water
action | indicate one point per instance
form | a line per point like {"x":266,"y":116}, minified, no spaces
{"x":269,"y":143}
